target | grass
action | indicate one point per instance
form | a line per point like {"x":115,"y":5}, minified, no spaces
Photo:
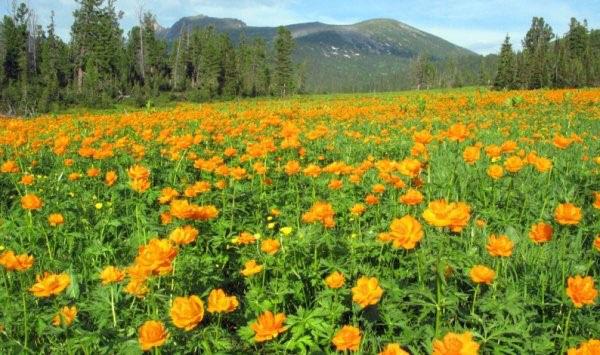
{"x":231,"y":162}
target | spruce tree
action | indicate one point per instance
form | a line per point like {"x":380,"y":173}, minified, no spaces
{"x":284,"y":66}
{"x":506,"y":61}
{"x":536,"y":45}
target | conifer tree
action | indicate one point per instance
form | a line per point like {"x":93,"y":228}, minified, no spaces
{"x":284,"y":67}
{"x":506,"y":70}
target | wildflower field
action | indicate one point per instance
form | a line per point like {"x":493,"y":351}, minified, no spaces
{"x":451,"y":222}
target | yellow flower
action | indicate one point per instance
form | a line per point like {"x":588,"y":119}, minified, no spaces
{"x":98,"y":205}
{"x":286,"y":230}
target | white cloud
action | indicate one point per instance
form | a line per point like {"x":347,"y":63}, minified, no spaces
{"x":479,"y":41}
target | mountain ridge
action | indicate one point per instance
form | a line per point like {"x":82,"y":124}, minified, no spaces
{"x":364,"y":51}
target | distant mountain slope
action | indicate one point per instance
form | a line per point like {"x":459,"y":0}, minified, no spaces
{"x":341,"y":57}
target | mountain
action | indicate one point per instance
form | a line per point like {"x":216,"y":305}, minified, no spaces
{"x":363,"y":56}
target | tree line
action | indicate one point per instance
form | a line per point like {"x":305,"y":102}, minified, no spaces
{"x":39,"y":72}
{"x":549,"y":61}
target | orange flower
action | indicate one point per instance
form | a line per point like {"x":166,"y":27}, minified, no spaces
{"x":167,"y":195}
{"x":335,"y":280}
{"x":268,"y":326}
{"x":183,"y":235}
{"x":320,"y":212}
{"x":335,"y":184}
{"x":111,"y":274}
{"x":367,"y":291}
{"x":270,"y":246}
{"x":358,"y":209}
{"x":371,"y":200}
{"x":482,"y":274}
{"x":393,"y":349}
{"x":404,"y":233}
{"x":561,"y":142}
{"x":458,"y":132}
{"x":542,"y":164}
{"x":219,"y":302}
{"x":591,"y":347}
{"x":480,"y":223}
{"x":596,"y":202}
{"x":471,"y":155}
{"x":136,"y":288}
{"x":454,"y":215}
{"x":493,"y":151}
{"x":597,"y":243}
{"x":139,"y":185}
{"x":581,"y":290}
{"x":541,"y":233}
{"x":292,"y":167}
{"x":110,"y":178}
{"x":514,"y":164}
{"x":157,"y":256}
{"x":9,"y":167}
{"x":244,"y":238}
{"x":251,"y":268}
{"x":50,"y":284}
{"x":65,"y":316}
{"x":453,"y":344}
{"x":412,"y":197}
{"x":31,"y":202}
{"x":152,"y":334}
{"x":56,"y":219}
{"x":93,"y":172}
{"x":499,"y":246}
{"x":508,"y":146}
{"x":182,"y":209}
{"x":138,"y":172}
{"x":27,"y":180}
{"x":347,"y":338}
{"x":567,"y":214}
{"x":237,"y":173}
{"x":495,"y":171}
{"x":410,"y":167}
{"x":312,"y":171}
{"x":423,"y":137}
{"x":12,"y":262}
{"x":187,"y":312}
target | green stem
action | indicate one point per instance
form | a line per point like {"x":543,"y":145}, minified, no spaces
{"x":112,"y":306}
{"x":25,"y":329}
{"x":474,"y":300}
{"x":566,"y":334}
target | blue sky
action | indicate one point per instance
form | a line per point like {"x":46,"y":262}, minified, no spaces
{"x":475,"y":24}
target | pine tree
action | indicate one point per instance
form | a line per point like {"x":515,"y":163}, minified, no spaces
{"x":505,"y":77}
{"x":284,"y":67}
{"x":535,"y":50}
{"x":50,"y":68}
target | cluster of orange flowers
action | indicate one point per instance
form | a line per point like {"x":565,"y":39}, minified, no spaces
{"x":225,"y":148}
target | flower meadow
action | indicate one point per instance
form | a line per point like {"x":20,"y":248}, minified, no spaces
{"x":451,"y":222}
